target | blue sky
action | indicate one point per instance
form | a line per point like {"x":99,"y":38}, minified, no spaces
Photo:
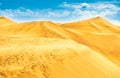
{"x":60,"y":10}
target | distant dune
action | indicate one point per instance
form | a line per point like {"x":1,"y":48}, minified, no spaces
{"x":5,"y":22}
{"x":96,"y":24}
{"x":43,"y":49}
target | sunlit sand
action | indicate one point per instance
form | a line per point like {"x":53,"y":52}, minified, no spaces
{"x":43,"y":49}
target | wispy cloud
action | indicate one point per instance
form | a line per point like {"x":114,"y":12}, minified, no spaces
{"x":86,"y":10}
{"x":67,"y":12}
{"x":74,"y":5}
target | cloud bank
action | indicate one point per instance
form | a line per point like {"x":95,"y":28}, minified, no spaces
{"x":67,"y":12}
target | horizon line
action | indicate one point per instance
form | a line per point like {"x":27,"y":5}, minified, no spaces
{"x":48,"y":20}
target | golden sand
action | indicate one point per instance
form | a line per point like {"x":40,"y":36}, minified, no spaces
{"x":42,"y":49}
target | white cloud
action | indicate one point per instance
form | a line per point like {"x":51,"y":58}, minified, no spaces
{"x":68,"y":12}
{"x":74,"y":5}
{"x":87,"y":10}
{"x":104,"y":6}
{"x":91,"y":6}
{"x":58,"y":14}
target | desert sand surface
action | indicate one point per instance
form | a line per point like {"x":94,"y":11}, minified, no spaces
{"x":43,"y":49}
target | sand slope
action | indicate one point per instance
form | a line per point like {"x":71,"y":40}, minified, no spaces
{"x":5,"y":22}
{"x":43,"y":49}
{"x":107,"y":43}
{"x":96,"y":24}
{"x":30,"y":29}
{"x":64,"y":59}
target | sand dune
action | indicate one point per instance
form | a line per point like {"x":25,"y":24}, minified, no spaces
{"x":5,"y":22}
{"x":96,"y":24}
{"x":106,"y":43}
{"x":43,"y":49}
{"x":64,"y":59}
{"x":30,"y":29}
